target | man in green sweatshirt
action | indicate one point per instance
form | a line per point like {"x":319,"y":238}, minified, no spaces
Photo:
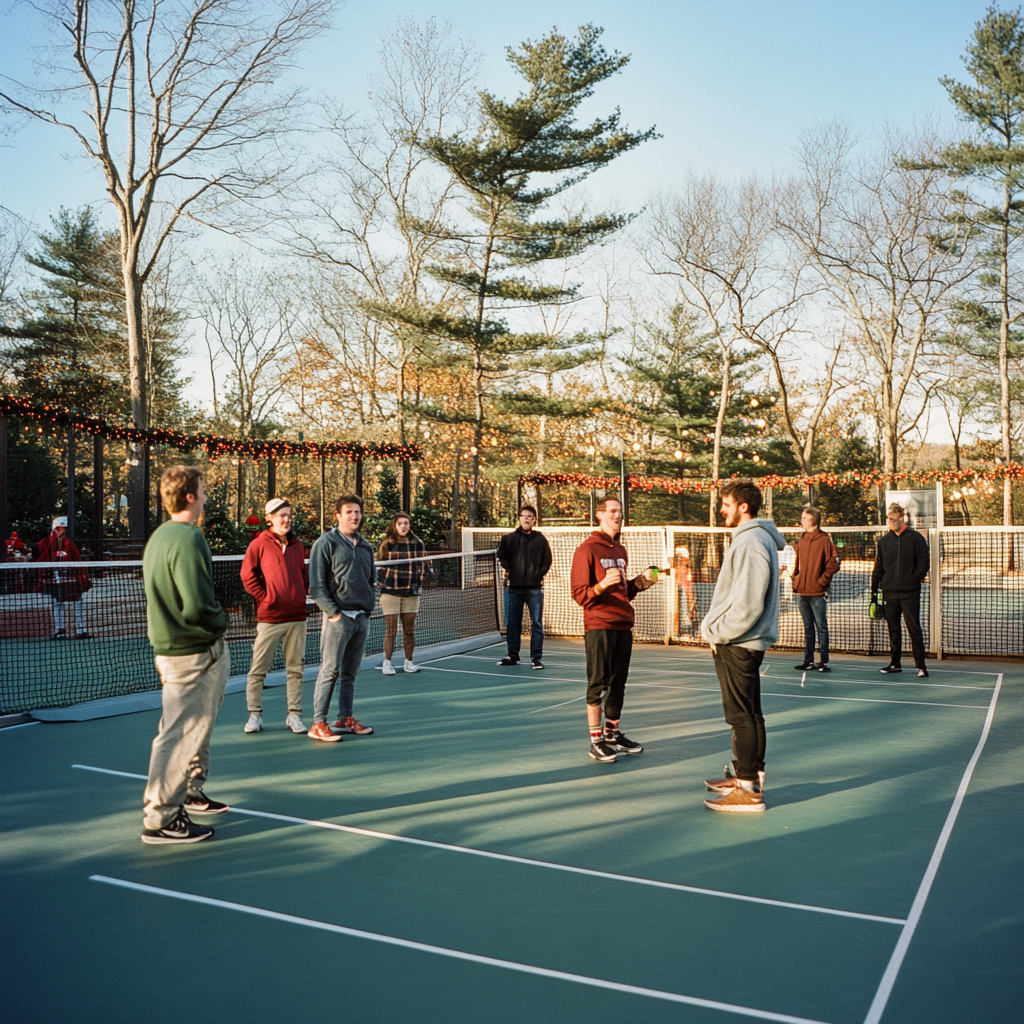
{"x":186,"y":628}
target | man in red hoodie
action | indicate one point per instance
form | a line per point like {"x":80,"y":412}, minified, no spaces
{"x":600,"y":587}
{"x":274,"y":572}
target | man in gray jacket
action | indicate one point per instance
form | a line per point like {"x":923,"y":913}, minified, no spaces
{"x":741,"y":624}
{"x":341,"y":581}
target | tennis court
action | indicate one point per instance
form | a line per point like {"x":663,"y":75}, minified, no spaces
{"x":884,"y":883}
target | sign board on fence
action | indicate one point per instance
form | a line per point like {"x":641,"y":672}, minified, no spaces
{"x":921,"y":506}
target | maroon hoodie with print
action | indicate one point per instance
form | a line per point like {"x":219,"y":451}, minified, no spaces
{"x":612,"y":608}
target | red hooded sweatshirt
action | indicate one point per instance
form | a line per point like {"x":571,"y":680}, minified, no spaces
{"x":278,"y":580}
{"x":610,"y":609}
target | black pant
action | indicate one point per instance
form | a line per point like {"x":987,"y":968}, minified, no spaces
{"x":739,"y":675}
{"x":608,"y":654}
{"x":907,"y":604}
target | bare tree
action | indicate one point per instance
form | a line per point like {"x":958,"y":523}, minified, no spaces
{"x":880,"y":238}
{"x":249,"y":320}
{"x":375,"y":201}
{"x":722,"y":245}
{"x":183,"y":115}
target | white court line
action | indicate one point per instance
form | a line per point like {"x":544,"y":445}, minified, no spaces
{"x":457,"y":954}
{"x":535,"y":711}
{"x":21,"y":725}
{"x":530,"y":862}
{"x":430,"y":661}
{"x":877,"y":1007}
{"x":943,"y":671}
{"x":501,"y":675}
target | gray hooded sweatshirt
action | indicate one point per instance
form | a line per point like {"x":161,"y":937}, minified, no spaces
{"x":745,"y":607}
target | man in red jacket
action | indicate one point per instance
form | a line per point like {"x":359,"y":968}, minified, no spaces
{"x":817,"y":561}
{"x":600,"y":587}
{"x":274,"y":572}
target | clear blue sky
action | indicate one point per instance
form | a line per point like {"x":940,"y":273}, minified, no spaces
{"x":729,"y":83}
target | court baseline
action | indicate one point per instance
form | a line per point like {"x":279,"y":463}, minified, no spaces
{"x":509,"y":965}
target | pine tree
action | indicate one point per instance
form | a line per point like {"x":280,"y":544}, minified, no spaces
{"x":524,"y":154}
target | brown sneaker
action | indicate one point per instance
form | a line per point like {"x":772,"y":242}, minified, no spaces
{"x":322,"y":731}
{"x":353,"y":726}
{"x":728,"y":782}
{"x":738,"y":799}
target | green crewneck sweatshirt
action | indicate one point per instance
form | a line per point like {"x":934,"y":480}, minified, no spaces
{"x":182,"y":610}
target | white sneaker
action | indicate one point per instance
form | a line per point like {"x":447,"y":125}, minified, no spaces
{"x":295,"y":723}
{"x":410,"y":666}
{"x":255,"y":723}
{"x":387,"y":668}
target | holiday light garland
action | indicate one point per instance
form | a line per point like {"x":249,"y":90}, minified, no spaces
{"x":693,"y":485}
{"x":213,"y":445}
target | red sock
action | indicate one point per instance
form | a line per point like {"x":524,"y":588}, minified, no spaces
{"x":610,"y":727}
{"x":596,"y":733}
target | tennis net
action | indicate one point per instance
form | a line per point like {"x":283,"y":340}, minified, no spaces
{"x":106,"y":601}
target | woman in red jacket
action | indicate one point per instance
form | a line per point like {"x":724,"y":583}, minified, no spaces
{"x":65,"y":586}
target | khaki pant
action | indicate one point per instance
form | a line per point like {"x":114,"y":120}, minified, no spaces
{"x":292,"y":636}
{"x":193,"y":691}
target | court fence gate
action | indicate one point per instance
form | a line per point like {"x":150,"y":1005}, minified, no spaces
{"x":972,"y":601}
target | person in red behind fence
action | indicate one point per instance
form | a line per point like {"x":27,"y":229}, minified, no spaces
{"x":64,"y":586}
{"x":274,"y":573}
{"x":600,"y":588}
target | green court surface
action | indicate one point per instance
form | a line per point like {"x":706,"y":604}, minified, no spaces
{"x":884,"y":883}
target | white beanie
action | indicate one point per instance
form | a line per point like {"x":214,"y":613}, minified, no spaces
{"x":59,"y":521}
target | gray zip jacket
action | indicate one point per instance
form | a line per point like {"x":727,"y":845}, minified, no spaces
{"x":745,"y":607}
{"x":341,"y":574}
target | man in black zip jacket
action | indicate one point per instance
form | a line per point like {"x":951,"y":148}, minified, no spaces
{"x":901,"y":564}
{"x":526,"y":558}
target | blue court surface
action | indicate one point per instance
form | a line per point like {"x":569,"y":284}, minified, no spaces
{"x":469,"y":863}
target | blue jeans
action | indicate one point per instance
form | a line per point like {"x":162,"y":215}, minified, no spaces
{"x":534,"y":600}
{"x":814,"y":612}
{"x":341,"y":653}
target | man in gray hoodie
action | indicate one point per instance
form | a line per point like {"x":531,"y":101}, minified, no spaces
{"x":741,"y":624}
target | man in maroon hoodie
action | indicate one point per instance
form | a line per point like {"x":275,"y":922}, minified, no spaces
{"x":817,"y":561}
{"x":274,"y":572}
{"x":600,"y":587}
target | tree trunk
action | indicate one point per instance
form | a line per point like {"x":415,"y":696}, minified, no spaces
{"x":138,"y":499}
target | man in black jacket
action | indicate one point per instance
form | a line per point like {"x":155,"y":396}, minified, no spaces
{"x":526,"y":558}
{"x":901,"y":564}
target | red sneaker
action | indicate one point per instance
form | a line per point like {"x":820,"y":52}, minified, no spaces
{"x":354,"y":726}
{"x":322,"y":731}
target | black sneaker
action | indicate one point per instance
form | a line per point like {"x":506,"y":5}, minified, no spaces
{"x":804,"y":666}
{"x":822,"y":666}
{"x":890,"y":669}
{"x":180,"y":830}
{"x":199,"y":803}
{"x":537,"y":664}
{"x":622,"y":743}
{"x":922,"y":673}
{"x":600,"y":751}
{"x":509,"y":660}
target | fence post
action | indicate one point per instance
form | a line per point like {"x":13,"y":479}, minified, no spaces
{"x":935,"y":570}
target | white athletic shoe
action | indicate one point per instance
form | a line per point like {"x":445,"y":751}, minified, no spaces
{"x":410,"y":666}
{"x":295,"y":723}
{"x":387,"y":668}
{"x":255,"y":723}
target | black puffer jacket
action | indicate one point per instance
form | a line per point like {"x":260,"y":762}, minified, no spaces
{"x":526,"y":557}
{"x":901,"y":562}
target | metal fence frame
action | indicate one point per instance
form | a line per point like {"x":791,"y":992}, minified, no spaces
{"x":953,"y":623}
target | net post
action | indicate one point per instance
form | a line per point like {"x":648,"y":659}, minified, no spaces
{"x":406,"y":485}
{"x":359,"y":477}
{"x":271,"y":478}
{"x":935,"y":569}
{"x":97,"y":496}
{"x":323,"y":488}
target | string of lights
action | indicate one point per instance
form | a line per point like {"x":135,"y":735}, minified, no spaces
{"x":214,"y":446}
{"x":693,"y":485}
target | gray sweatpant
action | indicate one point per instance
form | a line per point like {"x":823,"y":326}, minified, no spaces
{"x":193,"y":691}
{"x":292,"y":637}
